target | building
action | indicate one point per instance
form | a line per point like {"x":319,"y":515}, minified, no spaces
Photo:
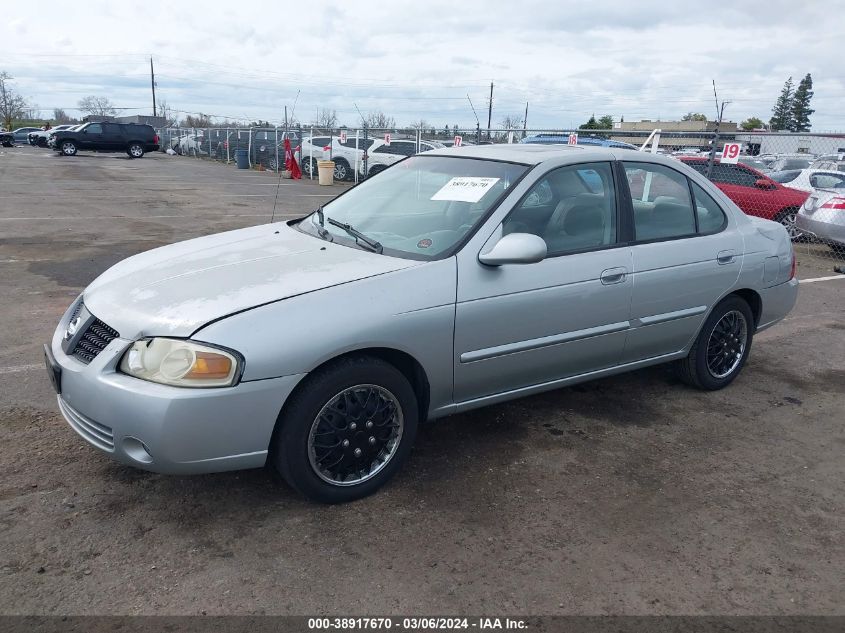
{"x":791,"y":143}
{"x":674,"y":135}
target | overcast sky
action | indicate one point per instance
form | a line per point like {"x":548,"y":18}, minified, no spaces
{"x":419,"y":59}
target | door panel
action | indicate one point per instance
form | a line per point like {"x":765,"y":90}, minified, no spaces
{"x":678,"y":277}
{"x":524,"y":324}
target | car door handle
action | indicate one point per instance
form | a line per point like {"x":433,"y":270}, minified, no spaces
{"x":613,"y":276}
{"x":726,"y":257}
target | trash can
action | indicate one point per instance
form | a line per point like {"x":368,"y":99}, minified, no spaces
{"x":242,"y":158}
{"x":325,"y":169}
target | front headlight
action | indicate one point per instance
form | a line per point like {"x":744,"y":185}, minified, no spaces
{"x":181,"y":363}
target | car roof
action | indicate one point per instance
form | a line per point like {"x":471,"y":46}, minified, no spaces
{"x":534,"y":154}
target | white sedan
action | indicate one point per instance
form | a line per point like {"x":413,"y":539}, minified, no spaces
{"x":810,"y":179}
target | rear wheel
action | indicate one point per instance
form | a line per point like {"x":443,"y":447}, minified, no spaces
{"x":309,"y":167}
{"x":721,"y":349}
{"x":135,"y":150}
{"x":787,"y":219}
{"x":68,"y":148}
{"x":341,"y":169}
{"x":346,"y":431}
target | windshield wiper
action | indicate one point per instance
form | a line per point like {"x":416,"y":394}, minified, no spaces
{"x":321,"y":227}
{"x":374,"y":246}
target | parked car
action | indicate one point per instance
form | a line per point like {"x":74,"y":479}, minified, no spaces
{"x":40,"y":137}
{"x":20,"y":135}
{"x":132,"y":138}
{"x":787,"y":162}
{"x":754,"y":192}
{"x":466,"y":276}
{"x":326,"y":147}
{"x":563,"y":139}
{"x":6,"y":139}
{"x":381,"y":155}
{"x":51,"y":137}
{"x":823,"y":217}
{"x":809,"y":179}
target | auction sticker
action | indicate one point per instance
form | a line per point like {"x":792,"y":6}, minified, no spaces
{"x":465,"y":189}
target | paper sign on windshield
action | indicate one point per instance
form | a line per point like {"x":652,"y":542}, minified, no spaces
{"x":465,"y":189}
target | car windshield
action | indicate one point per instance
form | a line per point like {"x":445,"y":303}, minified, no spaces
{"x":785,"y":176}
{"x":421,"y":207}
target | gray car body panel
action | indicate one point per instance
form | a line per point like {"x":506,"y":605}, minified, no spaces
{"x":290,"y":302}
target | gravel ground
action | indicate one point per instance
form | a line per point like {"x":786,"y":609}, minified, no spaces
{"x":629,"y":495}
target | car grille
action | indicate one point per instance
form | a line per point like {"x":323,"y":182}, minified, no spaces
{"x":97,"y":434}
{"x":94,"y":341}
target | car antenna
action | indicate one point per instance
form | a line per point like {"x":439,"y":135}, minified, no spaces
{"x":278,"y":167}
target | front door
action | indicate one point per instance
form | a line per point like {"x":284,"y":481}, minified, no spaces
{"x":686,"y":255}
{"x":91,"y":136}
{"x":521,"y":325}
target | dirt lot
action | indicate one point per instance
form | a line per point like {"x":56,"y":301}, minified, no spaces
{"x":631,"y":495}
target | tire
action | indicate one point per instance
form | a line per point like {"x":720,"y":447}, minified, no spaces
{"x":345,"y":394}
{"x":309,"y":167}
{"x":719,"y":354}
{"x":68,"y":148}
{"x":376,"y":170}
{"x":787,"y":218}
{"x":341,"y":170}
{"x":135,"y":150}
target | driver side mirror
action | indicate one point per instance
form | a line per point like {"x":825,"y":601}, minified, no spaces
{"x":516,"y":248}
{"x":762,"y":183}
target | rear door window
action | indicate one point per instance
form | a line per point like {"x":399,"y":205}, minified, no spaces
{"x":661,"y":200}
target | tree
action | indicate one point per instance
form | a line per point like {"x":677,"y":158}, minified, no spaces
{"x":197,"y":120}
{"x":60,"y":116}
{"x":591,"y":124}
{"x":421,"y":124}
{"x":379,"y":119}
{"x":325,"y":118}
{"x":98,"y":106}
{"x":800,"y":109}
{"x":782,"y":112}
{"x":605,"y":122}
{"x":511,"y":122}
{"x":12,"y":104}
{"x":752,"y":123}
{"x":694,"y":116}
{"x":166,"y":112}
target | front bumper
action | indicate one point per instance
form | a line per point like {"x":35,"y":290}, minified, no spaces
{"x":827,"y":231}
{"x":167,"y":429}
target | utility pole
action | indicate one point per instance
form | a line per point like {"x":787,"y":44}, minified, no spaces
{"x":490,"y":111}
{"x":720,"y":112}
{"x":286,"y":118}
{"x":525,"y":121}
{"x":153,"y":84}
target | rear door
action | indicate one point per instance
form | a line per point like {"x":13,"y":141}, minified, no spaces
{"x":687,"y":252}
{"x":112,"y":138}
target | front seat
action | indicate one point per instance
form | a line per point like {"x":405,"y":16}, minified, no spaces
{"x":583,"y":227}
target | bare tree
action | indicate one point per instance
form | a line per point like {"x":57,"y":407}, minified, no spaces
{"x":197,"y":120}
{"x":325,"y":118}
{"x":60,"y":116}
{"x":99,"y":106}
{"x":511,"y":122}
{"x":379,"y":119}
{"x":167,"y":113}
{"x":420,"y":124}
{"x":12,"y":104}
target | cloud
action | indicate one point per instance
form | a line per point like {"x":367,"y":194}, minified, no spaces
{"x":650,"y":59}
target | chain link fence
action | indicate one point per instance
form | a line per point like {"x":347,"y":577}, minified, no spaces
{"x":792,"y":178}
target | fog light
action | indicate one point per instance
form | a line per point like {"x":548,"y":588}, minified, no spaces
{"x":137,"y":450}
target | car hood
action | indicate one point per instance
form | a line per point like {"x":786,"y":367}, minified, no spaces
{"x":176,"y":289}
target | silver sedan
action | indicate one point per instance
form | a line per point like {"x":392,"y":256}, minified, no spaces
{"x":454,"y":279}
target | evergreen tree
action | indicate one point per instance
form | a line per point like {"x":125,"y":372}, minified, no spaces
{"x":800,"y":110}
{"x":782,"y":112}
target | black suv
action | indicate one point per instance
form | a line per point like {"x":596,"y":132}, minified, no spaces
{"x":133,"y":138}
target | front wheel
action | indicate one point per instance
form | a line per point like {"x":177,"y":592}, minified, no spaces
{"x":135,"y":150}
{"x":309,"y":167}
{"x":346,"y":431}
{"x":68,"y":148}
{"x":721,"y":349}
